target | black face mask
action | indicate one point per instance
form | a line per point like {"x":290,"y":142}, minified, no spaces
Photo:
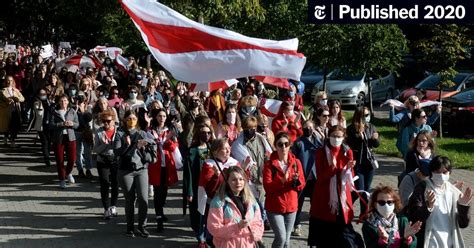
{"x":249,"y":133}
{"x":307,"y":131}
{"x":260,"y":128}
{"x":194,"y":104}
{"x":204,"y":137}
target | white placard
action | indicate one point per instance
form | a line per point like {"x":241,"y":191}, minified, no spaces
{"x":65,"y":44}
{"x":46,"y":51}
{"x":10,"y":48}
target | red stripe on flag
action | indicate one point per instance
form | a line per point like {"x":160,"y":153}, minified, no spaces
{"x":174,"y":39}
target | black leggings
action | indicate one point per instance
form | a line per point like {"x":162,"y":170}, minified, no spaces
{"x":45,"y":140}
{"x":160,"y":193}
{"x":108,"y":179}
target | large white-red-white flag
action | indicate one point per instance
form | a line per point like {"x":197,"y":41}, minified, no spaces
{"x":194,"y":52}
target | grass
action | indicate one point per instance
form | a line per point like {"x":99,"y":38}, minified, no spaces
{"x":459,"y":150}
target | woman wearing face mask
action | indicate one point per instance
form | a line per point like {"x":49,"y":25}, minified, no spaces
{"x":114,"y":98}
{"x":420,"y":154}
{"x":10,"y":111}
{"x":331,"y":212}
{"x":293,"y":97}
{"x":321,"y":100}
{"x":305,"y":150}
{"x":283,"y":178}
{"x":87,"y":87}
{"x":132,"y":146}
{"x":234,"y":215}
{"x":441,"y":206}
{"x":362,"y":137}
{"x":230,"y":126}
{"x":39,"y":122}
{"x":336,"y":117}
{"x":385,"y":227}
{"x":198,"y":153}
{"x":189,"y":115}
{"x":417,"y":124}
{"x":163,"y":173}
{"x":133,"y":101}
{"x":211,"y":177}
{"x":62,"y":123}
{"x":263,"y":129}
{"x":287,"y":120}
{"x":107,"y":162}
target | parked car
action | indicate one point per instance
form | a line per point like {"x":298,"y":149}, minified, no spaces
{"x":458,"y":113}
{"x":310,"y":76}
{"x":352,"y":90}
{"x":461,"y":80}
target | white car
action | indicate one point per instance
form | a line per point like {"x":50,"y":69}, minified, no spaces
{"x":352,"y":90}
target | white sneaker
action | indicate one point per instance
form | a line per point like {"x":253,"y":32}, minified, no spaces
{"x":70,"y":178}
{"x":113,"y":211}
{"x":107,"y":214}
{"x":151,"y":193}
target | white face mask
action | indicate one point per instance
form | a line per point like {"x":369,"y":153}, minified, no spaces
{"x":323,"y":102}
{"x":439,"y":179}
{"x":207,"y":94}
{"x":336,"y":142}
{"x":133,"y":96}
{"x":367,"y":119}
{"x":231,"y":118}
{"x":291,"y":113}
{"x":385,"y":210}
{"x":43,"y":98}
{"x":181,"y":92}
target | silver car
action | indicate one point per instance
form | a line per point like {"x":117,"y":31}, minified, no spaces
{"x":352,"y":90}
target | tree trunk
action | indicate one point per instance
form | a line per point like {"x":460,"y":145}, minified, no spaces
{"x":369,"y":86}
{"x":440,"y":114}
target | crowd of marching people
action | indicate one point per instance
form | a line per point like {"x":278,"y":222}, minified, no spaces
{"x":244,"y":171}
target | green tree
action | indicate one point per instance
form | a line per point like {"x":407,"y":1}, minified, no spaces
{"x":372,"y":49}
{"x":444,"y":47}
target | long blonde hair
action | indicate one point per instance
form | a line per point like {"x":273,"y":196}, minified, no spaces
{"x":246,"y":193}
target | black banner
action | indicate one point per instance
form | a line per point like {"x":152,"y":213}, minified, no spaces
{"x":391,"y":11}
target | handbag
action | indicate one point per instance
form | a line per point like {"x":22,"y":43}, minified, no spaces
{"x":370,"y":154}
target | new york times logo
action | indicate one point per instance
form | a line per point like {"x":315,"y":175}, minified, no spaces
{"x":319,"y":12}
{"x":390,"y":11}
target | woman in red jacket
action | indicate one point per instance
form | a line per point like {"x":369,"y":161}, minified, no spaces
{"x":288,"y":121}
{"x":283,"y":178}
{"x":162,"y":174}
{"x":331,"y":210}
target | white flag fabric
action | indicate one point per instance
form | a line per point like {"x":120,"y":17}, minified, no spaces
{"x":194,"y":52}
{"x":112,"y":52}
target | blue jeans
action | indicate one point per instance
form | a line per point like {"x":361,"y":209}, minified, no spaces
{"x":83,"y":151}
{"x":282,"y":226}
{"x":363,"y":183}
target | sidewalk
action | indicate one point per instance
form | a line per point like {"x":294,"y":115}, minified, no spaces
{"x":36,"y":213}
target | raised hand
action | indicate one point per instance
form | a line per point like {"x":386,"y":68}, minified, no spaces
{"x":459,"y":184}
{"x":412,"y":229}
{"x":351,"y":163}
{"x":466,"y":197}
{"x":430,"y":199}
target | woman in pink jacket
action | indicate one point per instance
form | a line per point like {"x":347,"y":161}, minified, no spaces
{"x":234,"y":217}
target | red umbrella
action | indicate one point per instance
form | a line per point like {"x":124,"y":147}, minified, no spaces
{"x":75,"y":62}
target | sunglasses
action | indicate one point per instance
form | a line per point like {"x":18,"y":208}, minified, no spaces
{"x":382,"y":203}
{"x":107,"y":121}
{"x":423,"y":116}
{"x":115,"y":93}
{"x":324,"y":99}
{"x":367,"y":115}
{"x":283,"y":144}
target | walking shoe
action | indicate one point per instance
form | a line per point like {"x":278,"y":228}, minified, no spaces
{"x":62,"y":184}
{"x":81,"y":174}
{"x":159,"y":224}
{"x":296,"y":231}
{"x":107,"y":214}
{"x":143,"y":232}
{"x":130,"y":233}
{"x":113,"y":211}
{"x":89,"y":174}
{"x":151,"y":192}
{"x":70,"y":179}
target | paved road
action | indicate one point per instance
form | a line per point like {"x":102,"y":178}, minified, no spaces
{"x":34,"y":212}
